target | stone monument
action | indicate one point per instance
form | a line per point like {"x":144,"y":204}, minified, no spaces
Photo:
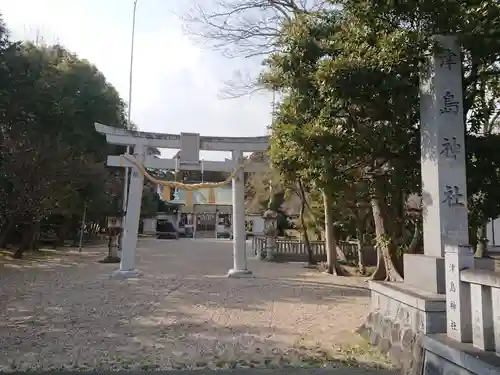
{"x":444,"y":185}
{"x":428,"y":302}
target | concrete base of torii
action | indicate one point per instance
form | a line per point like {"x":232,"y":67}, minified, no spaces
{"x":239,"y":274}
{"x":123,"y":275}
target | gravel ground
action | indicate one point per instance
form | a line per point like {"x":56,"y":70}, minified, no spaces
{"x":63,"y":312}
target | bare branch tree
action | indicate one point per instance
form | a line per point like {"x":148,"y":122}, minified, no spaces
{"x":240,"y":85}
{"x":244,"y":28}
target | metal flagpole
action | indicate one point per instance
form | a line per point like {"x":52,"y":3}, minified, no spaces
{"x":129,"y":112}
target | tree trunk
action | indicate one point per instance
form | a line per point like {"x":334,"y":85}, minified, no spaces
{"x":330,"y":240}
{"x":396,"y":226}
{"x":386,"y":269}
{"x":415,"y":241}
{"x":307,"y":243}
{"x":35,"y":236}
{"x":26,"y":240}
{"x":482,"y":241}
{"x":340,"y":253}
{"x":62,"y":233}
{"x":18,"y":254}
{"x":5,"y":233}
{"x":359,"y":234}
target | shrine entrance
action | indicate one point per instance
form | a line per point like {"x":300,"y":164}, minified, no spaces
{"x":206,"y":223}
{"x":188,"y":159}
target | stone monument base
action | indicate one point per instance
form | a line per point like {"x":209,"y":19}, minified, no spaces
{"x":425,"y":272}
{"x":491,"y":263}
{"x":400,"y":315}
{"x":445,"y":356}
{"x":428,"y":273}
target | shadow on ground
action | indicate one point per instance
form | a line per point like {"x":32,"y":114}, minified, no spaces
{"x":182,"y":313}
{"x":288,"y":371}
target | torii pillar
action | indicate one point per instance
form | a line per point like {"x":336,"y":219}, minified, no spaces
{"x":132,"y":217}
{"x":240,"y":267}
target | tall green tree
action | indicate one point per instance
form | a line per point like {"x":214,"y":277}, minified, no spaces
{"x":350,"y":80}
{"x":53,"y":161}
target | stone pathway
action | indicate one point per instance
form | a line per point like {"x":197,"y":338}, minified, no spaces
{"x":64,"y":313}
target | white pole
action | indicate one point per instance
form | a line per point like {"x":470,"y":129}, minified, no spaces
{"x":129,"y":111}
{"x":82,"y":228}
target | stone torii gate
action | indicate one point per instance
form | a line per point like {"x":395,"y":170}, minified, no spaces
{"x":190,"y":145}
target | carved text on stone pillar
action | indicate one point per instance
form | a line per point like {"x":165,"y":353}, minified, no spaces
{"x":450,"y":105}
{"x":452,"y":196}
{"x":452,"y":287}
{"x":453,"y":325}
{"x":450,"y":148}
{"x":447,"y":59}
{"x":451,"y":293}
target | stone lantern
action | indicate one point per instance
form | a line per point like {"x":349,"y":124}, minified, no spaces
{"x":271,"y":232}
{"x":114,"y":222}
{"x":115,"y":229}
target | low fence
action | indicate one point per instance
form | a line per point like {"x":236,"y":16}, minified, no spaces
{"x":289,"y":250}
{"x":294,"y":250}
{"x":482,"y":304}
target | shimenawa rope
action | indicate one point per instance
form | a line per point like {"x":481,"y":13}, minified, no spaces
{"x":180,"y":185}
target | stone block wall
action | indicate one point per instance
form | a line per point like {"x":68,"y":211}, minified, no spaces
{"x":397,"y":323}
{"x":398,"y":341}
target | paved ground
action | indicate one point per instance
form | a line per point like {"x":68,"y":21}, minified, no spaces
{"x":64,"y":312}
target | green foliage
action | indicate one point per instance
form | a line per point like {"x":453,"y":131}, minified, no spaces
{"x":483,"y":178}
{"x":52,"y":159}
{"x":348,"y":123}
{"x":150,"y":201}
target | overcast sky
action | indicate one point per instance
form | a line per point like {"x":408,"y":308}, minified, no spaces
{"x":177,"y":83}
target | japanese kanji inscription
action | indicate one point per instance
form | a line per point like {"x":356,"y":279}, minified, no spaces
{"x":450,"y":104}
{"x":453,"y":196}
